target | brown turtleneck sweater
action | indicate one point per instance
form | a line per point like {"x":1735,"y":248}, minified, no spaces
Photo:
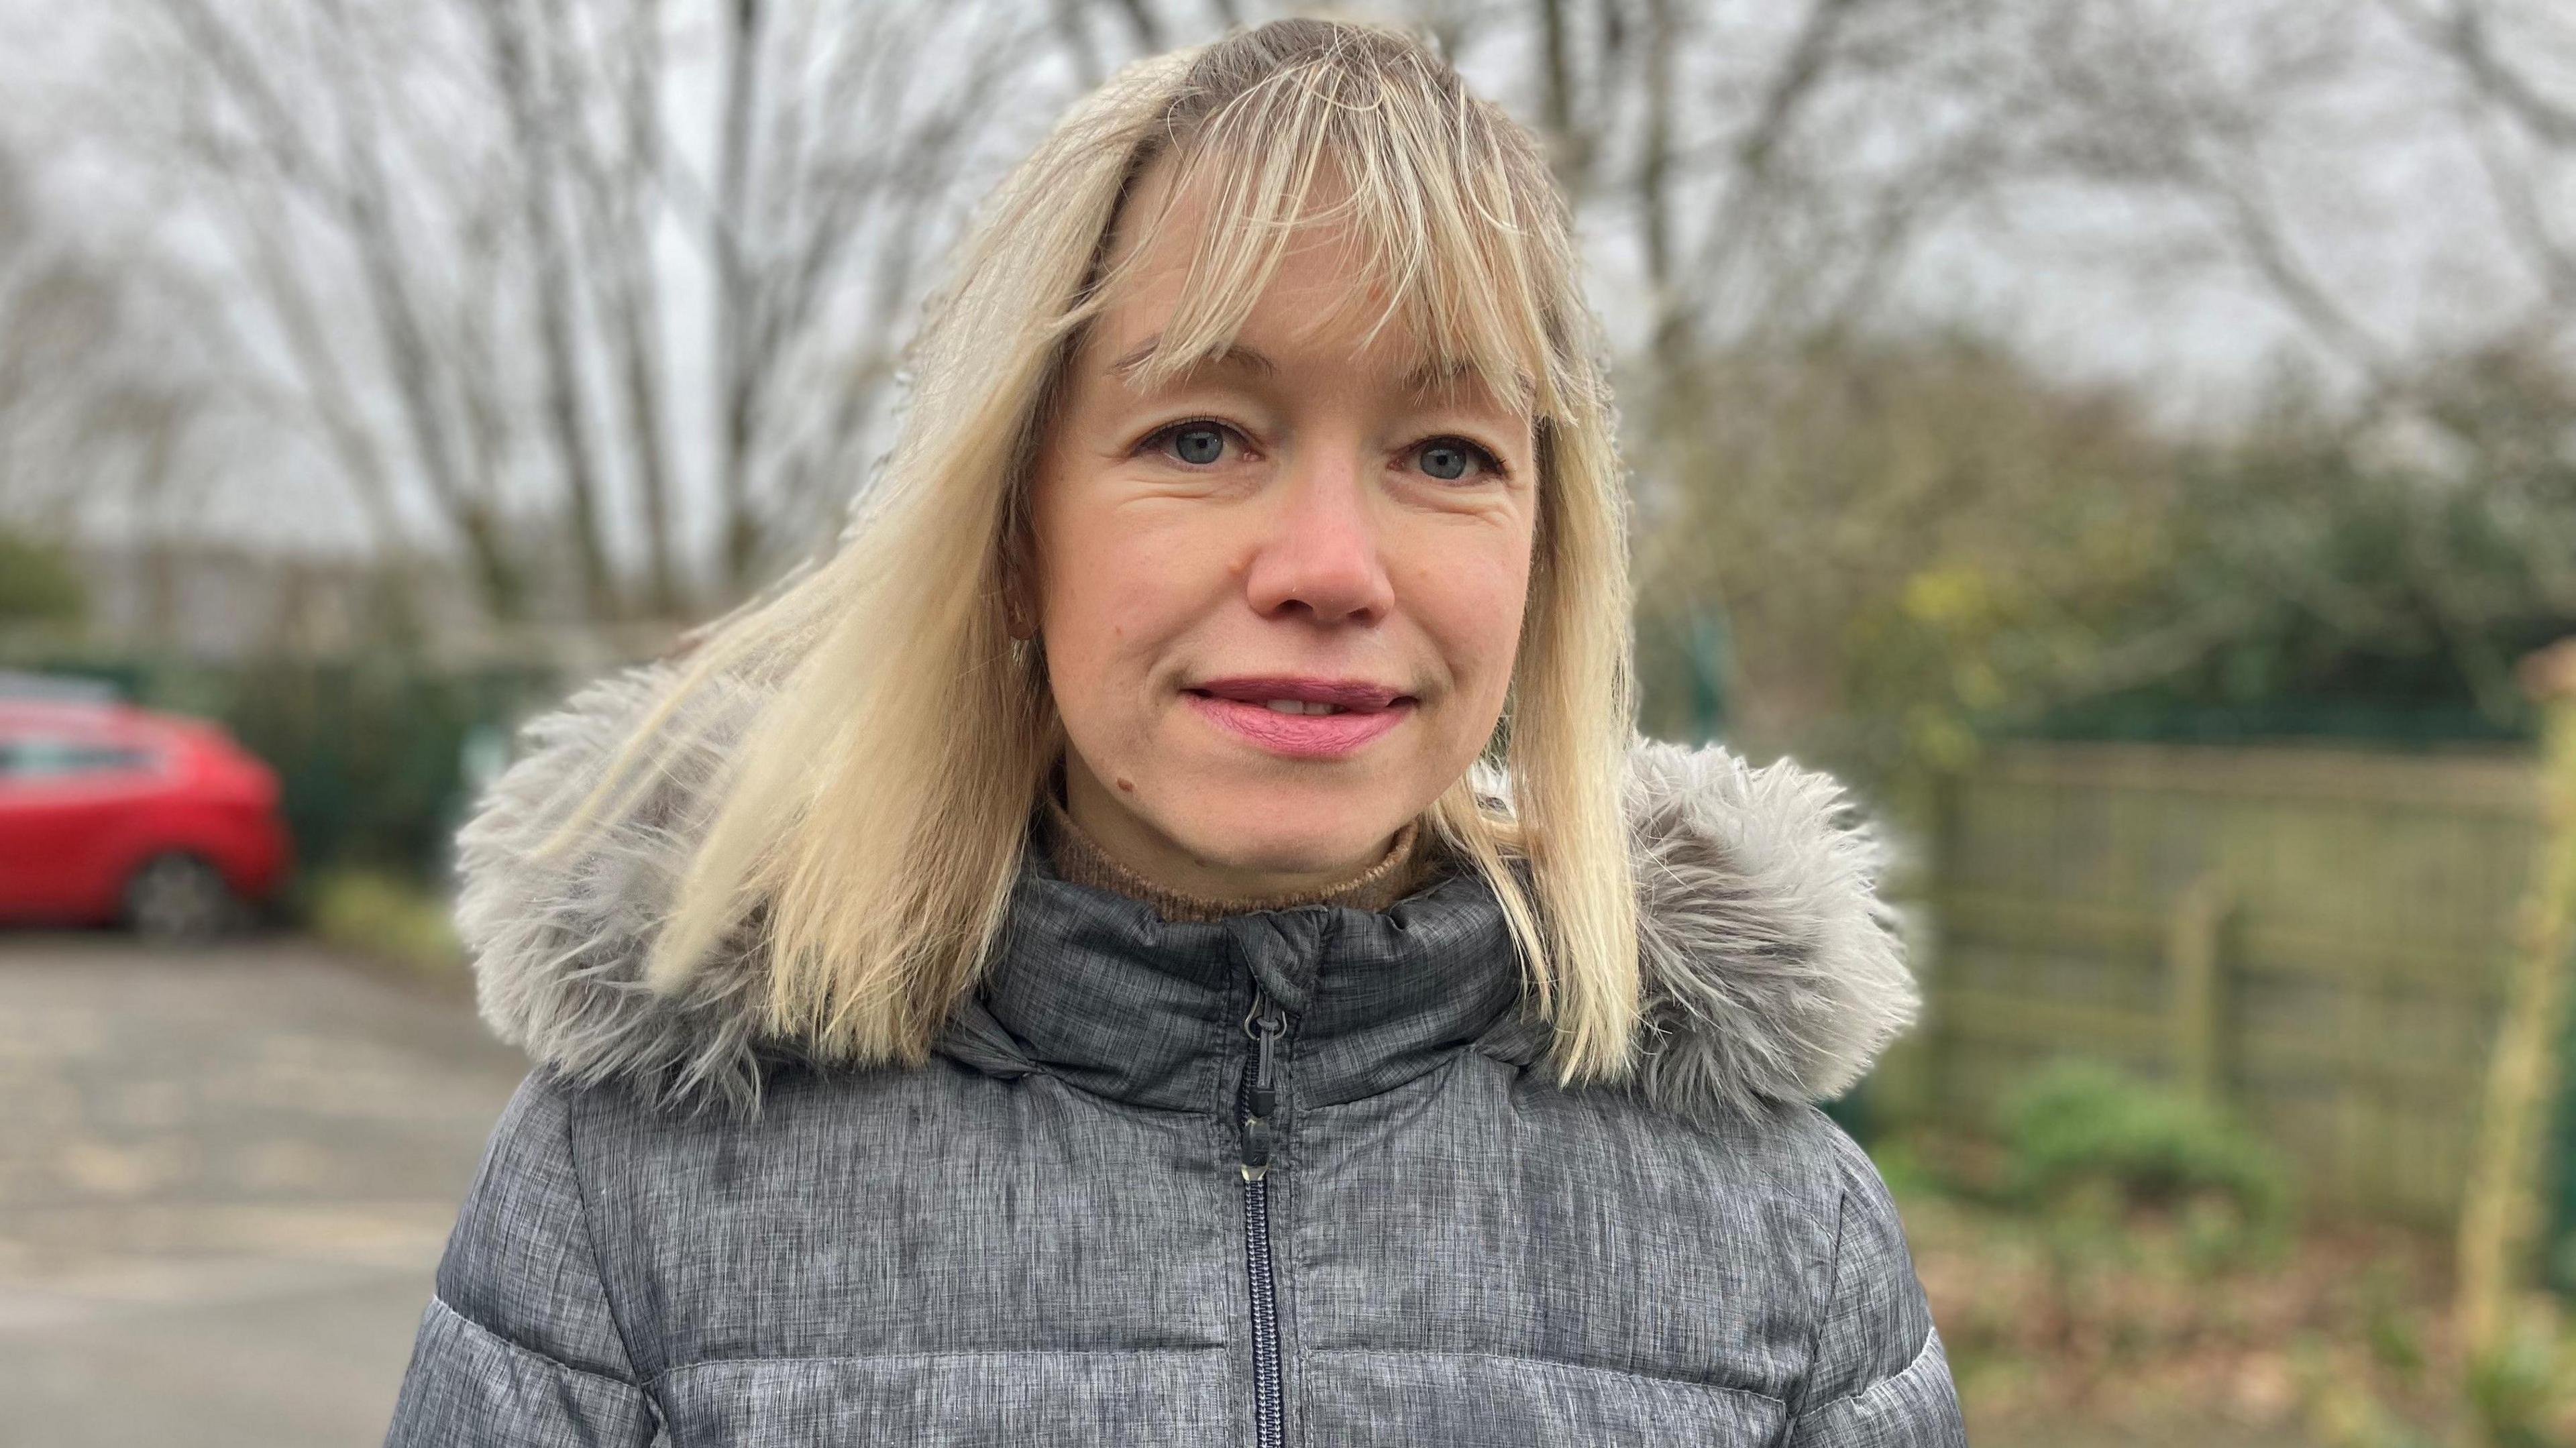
{"x":1078,"y":858}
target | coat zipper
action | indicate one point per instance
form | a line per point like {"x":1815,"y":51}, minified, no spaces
{"x":1265,"y":1024}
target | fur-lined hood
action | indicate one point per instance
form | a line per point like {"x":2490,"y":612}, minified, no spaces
{"x":1771,"y":969}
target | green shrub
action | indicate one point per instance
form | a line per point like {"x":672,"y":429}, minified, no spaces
{"x":1901,"y":1166}
{"x":39,"y":582}
{"x":2518,"y":1391}
{"x":2082,"y":1131}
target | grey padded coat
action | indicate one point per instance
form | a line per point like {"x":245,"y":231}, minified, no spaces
{"x":1064,"y":1230}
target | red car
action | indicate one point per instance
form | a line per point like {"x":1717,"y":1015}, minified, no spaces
{"x":112,"y":813}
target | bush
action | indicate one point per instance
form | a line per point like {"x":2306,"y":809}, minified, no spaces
{"x":2520,"y":1393}
{"x":39,"y":582}
{"x":2082,"y":1130}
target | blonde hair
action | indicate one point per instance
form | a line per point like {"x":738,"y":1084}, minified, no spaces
{"x":871,"y":818}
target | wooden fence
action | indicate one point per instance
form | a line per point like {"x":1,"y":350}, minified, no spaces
{"x":2316,"y":936}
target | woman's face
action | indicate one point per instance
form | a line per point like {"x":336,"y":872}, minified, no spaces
{"x":1303,"y":515}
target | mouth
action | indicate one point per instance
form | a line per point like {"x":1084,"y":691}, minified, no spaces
{"x":1299,"y":708}
{"x":1302,"y":718}
{"x":1308,"y":696}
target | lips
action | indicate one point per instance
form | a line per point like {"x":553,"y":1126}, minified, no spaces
{"x":1240,"y":707}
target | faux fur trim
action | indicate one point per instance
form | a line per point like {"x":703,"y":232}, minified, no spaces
{"x":1771,"y":970}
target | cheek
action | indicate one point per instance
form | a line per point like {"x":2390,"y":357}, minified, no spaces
{"x":1116,"y":595}
{"x":1470,"y":599}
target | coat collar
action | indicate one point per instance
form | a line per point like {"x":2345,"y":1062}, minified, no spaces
{"x":1096,"y":988}
{"x":1770,"y":968}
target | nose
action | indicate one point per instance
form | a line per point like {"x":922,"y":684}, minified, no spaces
{"x":1321,"y":550}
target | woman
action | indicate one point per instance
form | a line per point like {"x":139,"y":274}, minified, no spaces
{"x":1171,"y":935}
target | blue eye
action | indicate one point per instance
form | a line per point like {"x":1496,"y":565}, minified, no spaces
{"x":1198,"y":444}
{"x":1449,"y":458}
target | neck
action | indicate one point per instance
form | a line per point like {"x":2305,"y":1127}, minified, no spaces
{"x":1079,"y":858}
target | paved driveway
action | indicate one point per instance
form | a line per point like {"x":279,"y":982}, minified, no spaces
{"x":225,"y":1179}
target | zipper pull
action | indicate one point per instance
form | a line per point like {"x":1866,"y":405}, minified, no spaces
{"x":1265,"y":1086}
{"x":1265,"y":1025}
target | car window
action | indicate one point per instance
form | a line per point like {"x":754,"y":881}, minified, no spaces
{"x":38,"y":757}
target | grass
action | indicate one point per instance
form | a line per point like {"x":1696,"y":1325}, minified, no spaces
{"x":385,"y":918}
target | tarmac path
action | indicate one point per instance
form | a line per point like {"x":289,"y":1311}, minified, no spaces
{"x":225,"y":1181}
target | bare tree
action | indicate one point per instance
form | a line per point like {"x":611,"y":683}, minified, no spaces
{"x":103,"y":401}
{"x":52,"y":308}
{"x":463,"y":225}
